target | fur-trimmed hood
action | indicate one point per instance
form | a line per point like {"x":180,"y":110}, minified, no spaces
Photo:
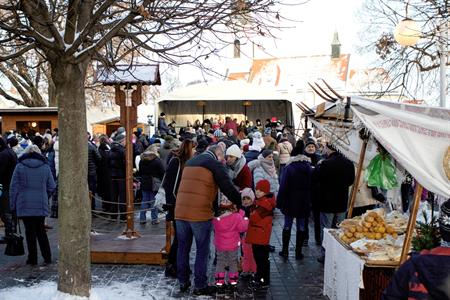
{"x":297,"y":158}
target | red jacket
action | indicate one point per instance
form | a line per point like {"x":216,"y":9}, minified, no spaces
{"x":260,"y":225}
{"x":244,"y":178}
{"x":230,"y":125}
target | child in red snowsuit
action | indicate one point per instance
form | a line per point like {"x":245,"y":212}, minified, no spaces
{"x":259,"y":231}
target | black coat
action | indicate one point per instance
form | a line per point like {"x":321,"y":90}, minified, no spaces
{"x":335,"y":175}
{"x":294,"y":195}
{"x":8,"y":161}
{"x":150,"y":166}
{"x":117,"y":161}
{"x":171,"y":185}
{"x":93,"y":159}
{"x":104,"y":172}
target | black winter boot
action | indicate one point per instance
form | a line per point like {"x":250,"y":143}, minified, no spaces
{"x":299,"y":244}
{"x":286,"y":236}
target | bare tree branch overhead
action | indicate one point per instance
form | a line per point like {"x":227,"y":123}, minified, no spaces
{"x":410,"y":69}
{"x":70,"y":35}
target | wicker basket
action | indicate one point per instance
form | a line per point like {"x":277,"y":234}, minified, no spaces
{"x":376,"y":279}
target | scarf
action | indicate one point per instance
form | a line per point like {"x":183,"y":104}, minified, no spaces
{"x":268,"y":166}
{"x":236,"y":167}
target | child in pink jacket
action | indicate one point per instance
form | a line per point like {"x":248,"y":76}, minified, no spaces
{"x":227,"y":229}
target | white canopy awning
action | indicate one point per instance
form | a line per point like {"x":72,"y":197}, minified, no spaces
{"x":223,"y":91}
{"x":418,"y":137}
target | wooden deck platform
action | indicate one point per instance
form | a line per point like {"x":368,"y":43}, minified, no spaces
{"x":110,"y":249}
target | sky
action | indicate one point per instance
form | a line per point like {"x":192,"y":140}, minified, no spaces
{"x":311,"y":33}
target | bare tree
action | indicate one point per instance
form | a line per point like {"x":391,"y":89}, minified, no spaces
{"x":25,"y":75}
{"x":411,"y":70}
{"x":70,"y":34}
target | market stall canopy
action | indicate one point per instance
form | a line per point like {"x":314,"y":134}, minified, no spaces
{"x":223,"y":91}
{"x":418,"y":137}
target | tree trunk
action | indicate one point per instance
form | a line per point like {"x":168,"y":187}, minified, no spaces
{"x":74,"y":216}
{"x":52,"y":101}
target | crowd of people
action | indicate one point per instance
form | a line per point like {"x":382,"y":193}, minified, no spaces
{"x":241,"y":173}
{"x":217,"y":176}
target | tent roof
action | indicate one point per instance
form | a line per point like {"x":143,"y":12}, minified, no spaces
{"x":416,"y":136}
{"x":232,"y":90}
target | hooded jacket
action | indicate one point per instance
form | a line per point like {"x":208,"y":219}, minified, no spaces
{"x":260,"y":224}
{"x":31,"y":185}
{"x":227,"y":231}
{"x":425,"y":277}
{"x":150,"y":167}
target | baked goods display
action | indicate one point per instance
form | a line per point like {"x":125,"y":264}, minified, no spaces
{"x":372,"y":225}
{"x":375,"y":235}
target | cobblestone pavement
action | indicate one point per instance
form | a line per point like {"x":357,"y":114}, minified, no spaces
{"x":290,"y":279}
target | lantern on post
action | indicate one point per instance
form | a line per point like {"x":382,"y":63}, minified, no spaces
{"x":407,"y":32}
{"x":246,"y":104}
{"x":202,"y":104}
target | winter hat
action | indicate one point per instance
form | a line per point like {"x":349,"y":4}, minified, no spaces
{"x":245,"y":142}
{"x":234,"y":150}
{"x":247,"y":192}
{"x":119,"y":137}
{"x":310,"y":142}
{"x":202,"y":144}
{"x":263,"y":185}
{"x":444,"y":221}
{"x":120,"y":130}
{"x":12,"y":141}
{"x":245,"y":148}
{"x":266,"y":153}
{"x":331,"y":147}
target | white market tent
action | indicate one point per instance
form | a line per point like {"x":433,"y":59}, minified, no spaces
{"x":416,"y":136}
{"x":225,"y":98}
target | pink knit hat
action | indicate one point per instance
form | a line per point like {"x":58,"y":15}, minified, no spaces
{"x":247,"y":192}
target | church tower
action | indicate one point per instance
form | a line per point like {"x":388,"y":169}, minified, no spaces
{"x":335,"y":47}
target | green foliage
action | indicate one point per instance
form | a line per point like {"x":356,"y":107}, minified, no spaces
{"x":428,"y":236}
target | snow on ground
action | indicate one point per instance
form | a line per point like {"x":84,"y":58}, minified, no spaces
{"x":114,"y":291}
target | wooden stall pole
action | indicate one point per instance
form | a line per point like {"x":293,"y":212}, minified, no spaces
{"x":362,"y":155}
{"x":168,"y":236}
{"x":129,"y":167}
{"x":411,"y":224}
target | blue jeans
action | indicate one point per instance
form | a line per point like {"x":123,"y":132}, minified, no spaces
{"x":288,"y":221}
{"x":186,"y":231}
{"x":148,"y":201}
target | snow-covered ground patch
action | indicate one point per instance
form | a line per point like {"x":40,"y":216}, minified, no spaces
{"x":114,"y":291}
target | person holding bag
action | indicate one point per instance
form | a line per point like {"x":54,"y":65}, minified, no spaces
{"x":169,"y":185}
{"x":31,"y":185}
